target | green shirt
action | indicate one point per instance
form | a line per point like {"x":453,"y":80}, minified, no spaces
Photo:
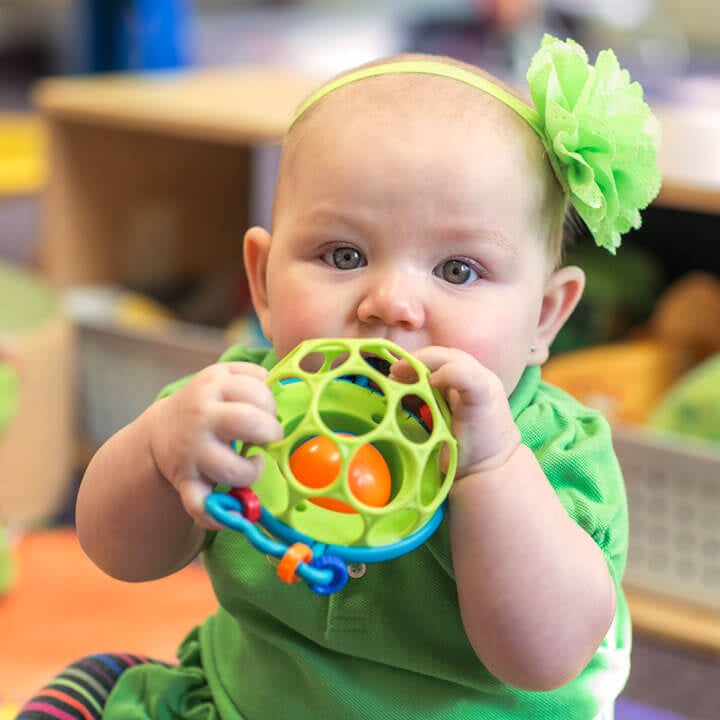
{"x":390,"y":645}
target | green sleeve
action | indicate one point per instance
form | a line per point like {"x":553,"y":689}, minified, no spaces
{"x":573,"y":445}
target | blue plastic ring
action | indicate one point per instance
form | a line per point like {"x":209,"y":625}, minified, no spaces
{"x":339,"y":574}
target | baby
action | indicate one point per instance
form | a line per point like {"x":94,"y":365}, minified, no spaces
{"x":421,"y":201}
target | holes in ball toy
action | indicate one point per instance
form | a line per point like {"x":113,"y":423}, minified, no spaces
{"x":382,"y":365}
{"x":337,"y":421}
{"x":409,"y":413}
{"x":292,"y":396}
{"x":313,"y":362}
{"x":272,"y":488}
{"x":388,"y":529}
{"x":317,"y":462}
{"x":362,"y":381}
{"x":434,"y":473}
{"x":330,"y":358}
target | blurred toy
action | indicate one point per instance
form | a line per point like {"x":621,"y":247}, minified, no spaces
{"x":37,"y":448}
{"x":343,"y":416}
{"x":624,"y":380}
{"x":113,"y":303}
{"x":245,"y":330}
{"x":692,"y":406}
{"x":23,"y":153}
{"x":688,"y":313}
{"x":8,"y":392}
{"x":8,"y":403}
{"x":7,"y":571}
{"x":8,"y":712}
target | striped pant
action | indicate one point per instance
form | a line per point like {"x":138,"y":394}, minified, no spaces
{"x":79,"y":692}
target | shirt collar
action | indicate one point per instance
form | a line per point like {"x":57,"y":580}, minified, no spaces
{"x":525,"y":390}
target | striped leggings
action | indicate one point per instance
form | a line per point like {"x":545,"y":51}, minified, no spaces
{"x":80,"y":690}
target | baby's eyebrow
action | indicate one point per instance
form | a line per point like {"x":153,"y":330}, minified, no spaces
{"x":461,"y":235}
{"x":322,"y":212}
{"x":321,"y":217}
{"x":453,"y":234}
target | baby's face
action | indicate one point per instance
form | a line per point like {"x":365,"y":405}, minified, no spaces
{"x":414,"y":230}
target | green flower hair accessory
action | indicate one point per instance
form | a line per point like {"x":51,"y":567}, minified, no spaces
{"x":601,"y":136}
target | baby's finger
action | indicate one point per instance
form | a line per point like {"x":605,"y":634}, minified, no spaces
{"x":221,"y":464}
{"x":248,"y":389}
{"x":245,"y":368}
{"x":435,"y":356}
{"x":403,"y":372}
{"x":242,"y":421}
{"x":193,"y":495}
{"x":458,"y":375}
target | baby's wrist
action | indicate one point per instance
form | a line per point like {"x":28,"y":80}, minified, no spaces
{"x":155,"y":423}
{"x":492,"y":463}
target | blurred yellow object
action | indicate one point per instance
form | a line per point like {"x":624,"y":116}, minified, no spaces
{"x":8,"y":712}
{"x":623,"y":380}
{"x":23,"y":154}
{"x":688,"y":313}
{"x":141,"y":312}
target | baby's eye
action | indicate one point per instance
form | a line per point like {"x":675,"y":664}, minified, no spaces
{"x":456,"y":271}
{"x":344,"y":258}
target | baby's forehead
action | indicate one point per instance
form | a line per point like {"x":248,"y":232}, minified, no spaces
{"x":411,"y":107}
{"x":402,"y":96}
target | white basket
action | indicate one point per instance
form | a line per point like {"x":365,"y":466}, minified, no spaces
{"x":122,"y":370}
{"x":673,"y":492}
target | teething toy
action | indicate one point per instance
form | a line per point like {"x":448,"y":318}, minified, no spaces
{"x":317,"y":462}
{"x":362,"y":471}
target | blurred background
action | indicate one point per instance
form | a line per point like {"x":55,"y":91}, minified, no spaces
{"x":139,"y":138}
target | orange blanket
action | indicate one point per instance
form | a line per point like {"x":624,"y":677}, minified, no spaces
{"x":62,"y":607}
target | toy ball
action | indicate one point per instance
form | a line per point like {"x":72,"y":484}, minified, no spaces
{"x":366,"y":460}
{"x":317,"y":464}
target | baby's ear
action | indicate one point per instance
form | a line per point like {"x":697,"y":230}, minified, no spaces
{"x":256,"y":248}
{"x":563,"y":291}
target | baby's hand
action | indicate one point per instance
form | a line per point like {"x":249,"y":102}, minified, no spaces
{"x":193,"y":430}
{"x":481,"y":419}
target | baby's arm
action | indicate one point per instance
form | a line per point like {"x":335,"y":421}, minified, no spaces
{"x":535,"y":593}
{"x":140,"y":509}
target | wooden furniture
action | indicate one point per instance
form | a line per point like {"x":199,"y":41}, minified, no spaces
{"x":675,"y":622}
{"x":151,"y":175}
{"x":690,"y":158}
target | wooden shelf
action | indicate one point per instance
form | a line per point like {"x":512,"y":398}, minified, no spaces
{"x":151,"y":176}
{"x":220,"y":104}
{"x":675,"y":622}
{"x":690,"y":157}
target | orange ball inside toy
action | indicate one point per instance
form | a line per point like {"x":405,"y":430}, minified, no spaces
{"x":317,"y":463}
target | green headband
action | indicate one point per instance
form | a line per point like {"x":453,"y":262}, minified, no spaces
{"x":600,"y":136}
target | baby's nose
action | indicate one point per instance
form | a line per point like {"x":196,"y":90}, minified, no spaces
{"x":392,"y":302}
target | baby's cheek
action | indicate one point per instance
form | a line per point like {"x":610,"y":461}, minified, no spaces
{"x":500,"y":354}
{"x":297,"y":323}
